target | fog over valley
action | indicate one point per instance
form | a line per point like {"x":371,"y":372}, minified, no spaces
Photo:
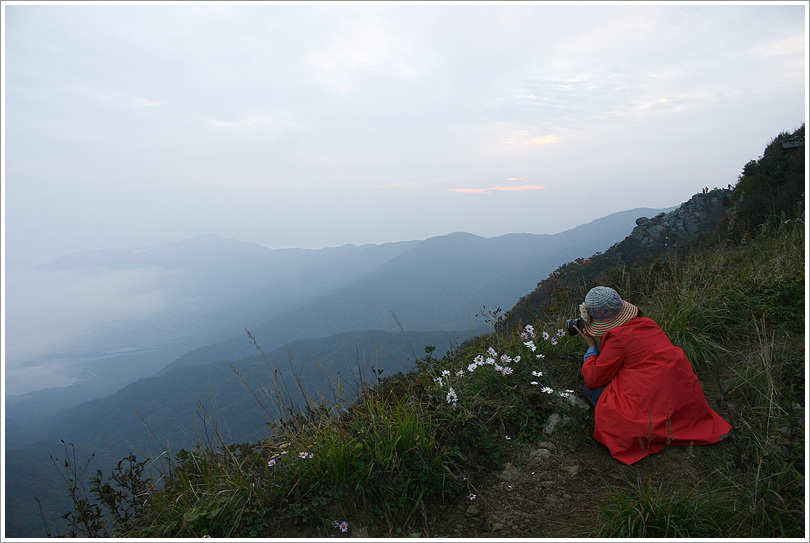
{"x":111,"y":316}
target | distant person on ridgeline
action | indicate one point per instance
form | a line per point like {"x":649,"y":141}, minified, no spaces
{"x":645,"y":393}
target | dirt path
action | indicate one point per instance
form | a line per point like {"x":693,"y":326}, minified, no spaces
{"x":556,"y":494}
{"x":554,"y":488}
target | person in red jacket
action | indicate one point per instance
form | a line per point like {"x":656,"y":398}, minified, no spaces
{"x":645,"y":393}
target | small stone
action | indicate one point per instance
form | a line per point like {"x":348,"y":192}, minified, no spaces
{"x":548,"y":445}
{"x":571,"y":470}
{"x":472,"y":511}
{"x":360,"y":532}
{"x":541,"y":454}
{"x":510,"y":473}
{"x":566,"y":497}
{"x":551,"y":423}
{"x":577,"y":402}
{"x":496,"y":527}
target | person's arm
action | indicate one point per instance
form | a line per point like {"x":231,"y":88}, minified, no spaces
{"x":592,"y":351}
{"x":600,"y":367}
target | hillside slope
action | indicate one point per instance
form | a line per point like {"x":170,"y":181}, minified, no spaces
{"x":441,"y":283}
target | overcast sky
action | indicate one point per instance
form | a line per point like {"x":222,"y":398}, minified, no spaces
{"x":314,"y":125}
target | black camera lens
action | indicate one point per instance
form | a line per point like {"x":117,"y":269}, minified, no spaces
{"x":579,"y":323}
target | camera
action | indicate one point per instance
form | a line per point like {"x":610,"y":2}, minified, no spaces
{"x":579,"y":323}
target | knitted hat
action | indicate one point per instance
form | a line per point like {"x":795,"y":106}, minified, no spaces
{"x":604,"y":309}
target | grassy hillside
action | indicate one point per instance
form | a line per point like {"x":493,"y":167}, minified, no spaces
{"x":415,"y":441}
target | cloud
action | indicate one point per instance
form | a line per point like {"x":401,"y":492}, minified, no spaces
{"x":143,"y":102}
{"x":367,"y":47}
{"x":518,"y":188}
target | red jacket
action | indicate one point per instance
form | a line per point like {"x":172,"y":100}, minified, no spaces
{"x":652,"y":397}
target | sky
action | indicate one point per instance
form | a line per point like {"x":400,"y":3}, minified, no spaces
{"x":319,"y":124}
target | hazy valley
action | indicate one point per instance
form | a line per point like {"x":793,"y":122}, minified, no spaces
{"x":145,"y":339}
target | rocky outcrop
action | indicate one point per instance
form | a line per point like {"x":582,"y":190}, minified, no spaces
{"x":698,"y":216}
{"x":686,"y":225}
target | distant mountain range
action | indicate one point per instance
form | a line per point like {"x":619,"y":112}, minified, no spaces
{"x":216,"y":288}
{"x":357,"y":312}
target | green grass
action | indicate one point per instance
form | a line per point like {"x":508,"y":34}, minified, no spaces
{"x":426,"y":435}
{"x":650,"y":511}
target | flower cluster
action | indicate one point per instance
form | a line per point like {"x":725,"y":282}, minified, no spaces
{"x":452,"y":397}
{"x":343,"y":526}
{"x":272,"y":462}
{"x":492,"y":360}
{"x":501,"y":363}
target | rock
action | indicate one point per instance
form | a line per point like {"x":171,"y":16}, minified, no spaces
{"x":360,"y":532}
{"x":540,"y":454}
{"x":570,"y":470}
{"x":577,"y":402}
{"x":551,"y":423}
{"x":510,"y":473}
{"x":700,"y":214}
{"x":548,"y":445}
{"x":497,"y":527}
{"x":472,"y":511}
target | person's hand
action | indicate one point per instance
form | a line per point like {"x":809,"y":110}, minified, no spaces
{"x":589,"y":339}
